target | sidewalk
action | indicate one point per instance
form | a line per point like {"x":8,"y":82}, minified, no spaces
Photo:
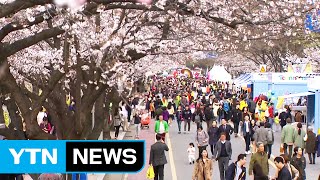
{"x":149,"y":136}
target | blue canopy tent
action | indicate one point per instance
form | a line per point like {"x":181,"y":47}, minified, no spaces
{"x":244,"y":80}
{"x":240,"y":78}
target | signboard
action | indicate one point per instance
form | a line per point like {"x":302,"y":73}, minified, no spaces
{"x":263,"y":68}
{"x":260,"y":76}
{"x":293,"y":77}
{"x":313,"y":84}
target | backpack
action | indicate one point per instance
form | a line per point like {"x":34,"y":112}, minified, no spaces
{"x":270,"y":136}
{"x":197,"y":118}
{"x":226,"y":106}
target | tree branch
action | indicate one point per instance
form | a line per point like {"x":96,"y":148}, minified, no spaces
{"x":18,"y":5}
{"x":17,"y":25}
{"x":12,"y":48}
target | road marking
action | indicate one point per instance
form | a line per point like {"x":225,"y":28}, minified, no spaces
{"x":269,"y":161}
{"x":173,"y":167}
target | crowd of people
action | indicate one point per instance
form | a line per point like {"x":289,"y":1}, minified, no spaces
{"x":224,"y":112}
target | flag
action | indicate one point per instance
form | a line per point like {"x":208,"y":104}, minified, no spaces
{"x":207,"y":73}
{"x":290,"y":68}
{"x":308,"y":68}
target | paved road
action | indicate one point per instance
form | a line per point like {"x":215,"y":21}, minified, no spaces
{"x":180,"y":143}
{"x":184,"y":170}
{"x":178,"y":167}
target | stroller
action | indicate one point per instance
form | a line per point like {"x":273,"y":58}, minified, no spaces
{"x":145,"y":120}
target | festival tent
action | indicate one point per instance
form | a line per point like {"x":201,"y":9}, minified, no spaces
{"x":218,"y":73}
{"x":240,"y":78}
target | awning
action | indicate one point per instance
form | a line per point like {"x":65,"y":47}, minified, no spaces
{"x":246,"y":80}
{"x":298,"y":94}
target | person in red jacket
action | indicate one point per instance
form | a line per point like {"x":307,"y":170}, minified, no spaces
{"x":271,"y":115}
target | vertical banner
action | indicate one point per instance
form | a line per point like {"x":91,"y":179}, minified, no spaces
{"x":308,"y":68}
{"x":290,"y":68}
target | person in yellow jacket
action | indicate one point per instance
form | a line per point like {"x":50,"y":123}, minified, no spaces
{"x":165,"y":102}
{"x":243,"y":104}
{"x":6,"y":116}
{"x":263,"y":108}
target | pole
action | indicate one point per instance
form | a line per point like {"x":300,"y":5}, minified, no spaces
{"x":93,"y":109}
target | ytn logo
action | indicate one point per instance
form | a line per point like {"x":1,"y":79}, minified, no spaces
{"x":32,"y":152}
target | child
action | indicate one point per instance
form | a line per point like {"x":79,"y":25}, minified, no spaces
{"x":191,"y":153}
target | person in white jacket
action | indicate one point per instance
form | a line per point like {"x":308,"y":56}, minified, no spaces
{"x":191,"y":153}
{"x":124,"y":117}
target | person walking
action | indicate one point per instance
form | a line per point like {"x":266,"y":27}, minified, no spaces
{"x":299,"y":162}
{"x":158,"y":158}
{"x":187,"y":116}
{"x":222,"y":153}
{"x":179,"y":117}
{"x":287,"y":137}
{"x":203,"y":168}
{"x":124,"y":117}
{"x":208,"y":113}
{"x":237,"y":170}
{"x":152,"y":109}
{"x":254,"y":126}
{"x":171,"y":112}
{"x":259,"y":158}
{"x":247,"y":133}
{"x":293,"y":171}
{"x":202,"y":139}
{"x":270,"y":139}
{"x":198,"y":117}
{"x":271,"y":115}
{"x":283,"y":172}
{"x":161,"y":127}
{"x":165,"y":114}
{"x":236,"y":118}
{"x":311,"y":142}
{"x":261,"y":135}
{"x":220,"y":113}
{"x":258,"y":173}
{"x":116,"y":123}
{"x":213,"y":136}
{"x":225,"y":128}
{"x":191,"y":153}
{"x":298,"y":137}
{"x":137,"y":122}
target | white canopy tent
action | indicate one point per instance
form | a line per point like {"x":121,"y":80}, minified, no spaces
{"x":218,"y":73}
